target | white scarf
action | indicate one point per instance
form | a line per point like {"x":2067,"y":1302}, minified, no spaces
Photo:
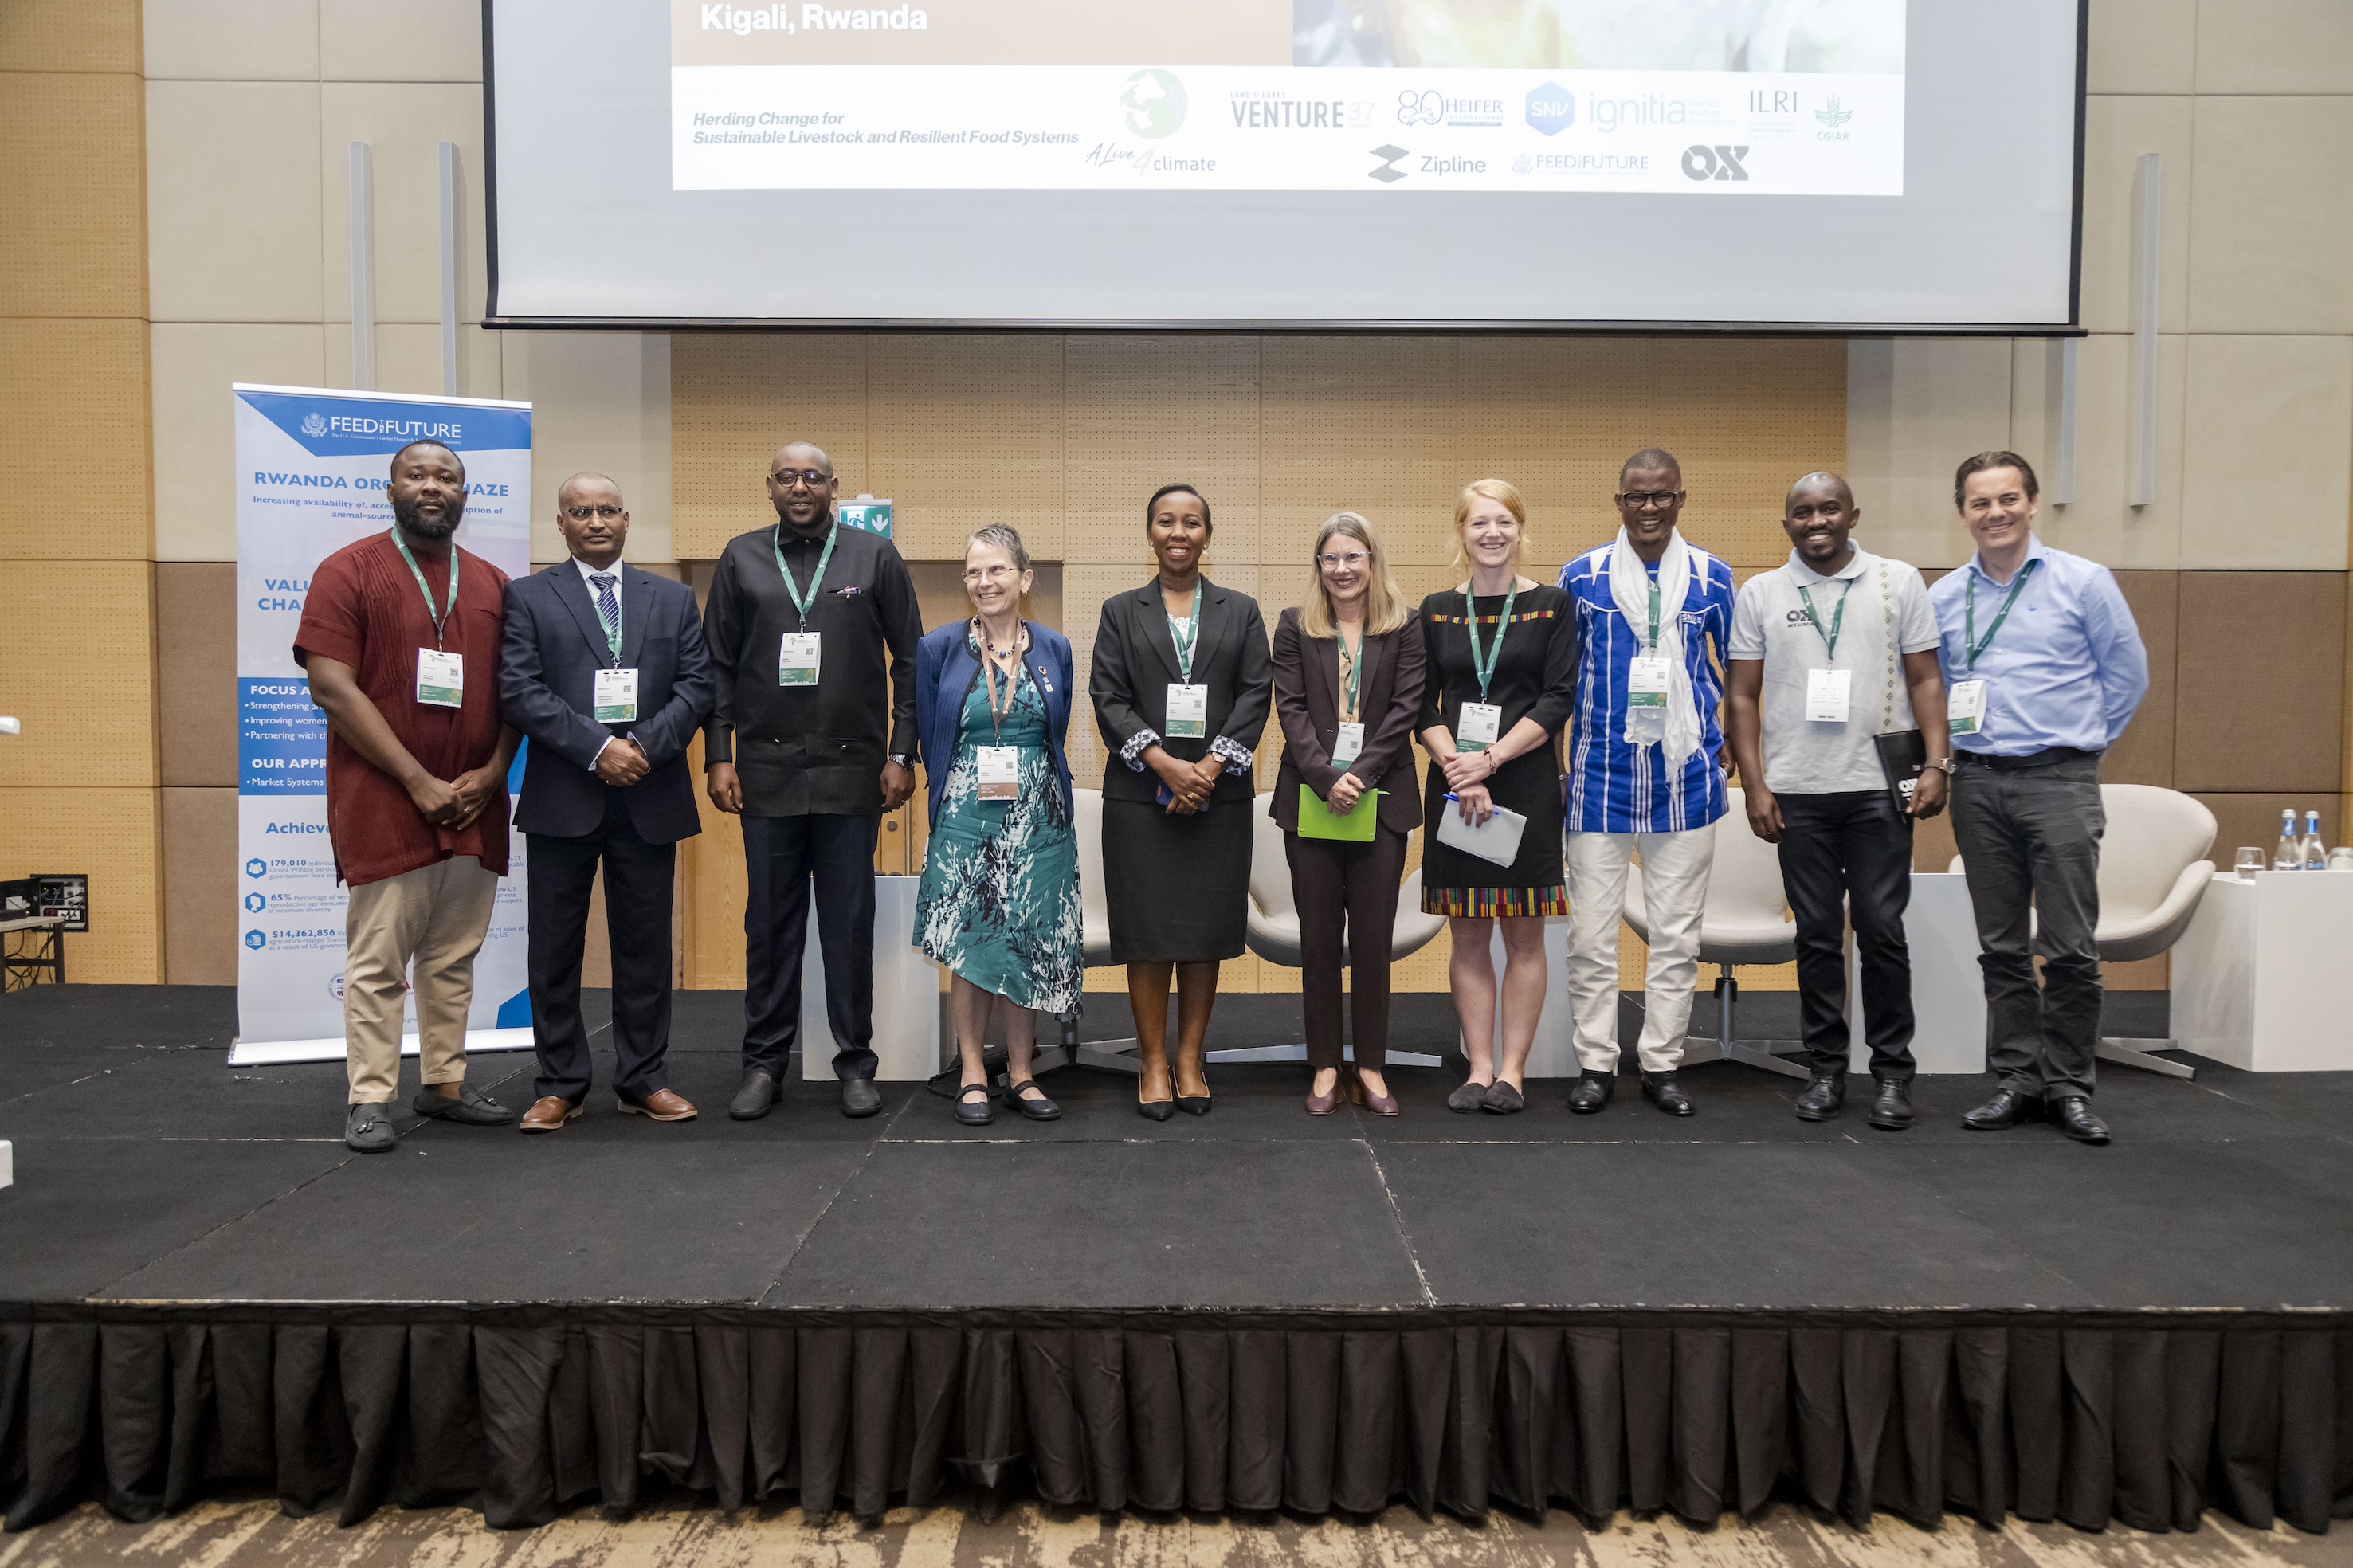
{"x":1677,"y":730}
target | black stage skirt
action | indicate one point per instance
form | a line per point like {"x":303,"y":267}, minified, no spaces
{"x":1176,"y":887}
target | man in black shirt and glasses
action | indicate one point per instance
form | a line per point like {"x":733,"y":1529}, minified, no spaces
{"x":812,"y":629}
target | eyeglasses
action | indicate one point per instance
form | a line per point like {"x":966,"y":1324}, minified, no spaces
{"x":1638,"y":499}
{"x":583,"y":513}
{"x":990,"y":574}
{"x":1344,"y":563}
{"x":816,"y":478}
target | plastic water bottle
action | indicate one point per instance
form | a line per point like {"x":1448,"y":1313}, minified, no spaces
{"x":2287,"y":855}
{"x":2316,"y":852}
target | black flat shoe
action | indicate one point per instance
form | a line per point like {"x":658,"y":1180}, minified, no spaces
{"x":1662,"y":1091}
{"x":1593,"y":1092}
{"x":1193,"y":1104}
{"x":972,"y":1111}
{"x":1822,"y":1095}
{"x":1891,"y":1108}
{"x":2007,"y":1108}
{"x":1503,"y":1099}
{"x":2073,"y":1112}
{"x":1039,"y":1109}
{"x":1470,"y":1096}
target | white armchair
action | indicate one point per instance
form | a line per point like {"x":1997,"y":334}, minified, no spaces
{"x":1745,"y":920}
{"x":1086,"y":818}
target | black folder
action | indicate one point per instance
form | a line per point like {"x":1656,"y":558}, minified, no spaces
{"x":1902,"y":754}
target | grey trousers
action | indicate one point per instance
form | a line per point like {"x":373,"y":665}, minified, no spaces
{"x":2031,"y":836}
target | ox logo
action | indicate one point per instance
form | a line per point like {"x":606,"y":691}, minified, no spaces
{"x":1701,"y":163}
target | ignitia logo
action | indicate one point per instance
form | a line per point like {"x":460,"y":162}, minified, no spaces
{"x":314,"y":424}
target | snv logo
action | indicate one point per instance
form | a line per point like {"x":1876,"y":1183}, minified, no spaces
{"x":1388,"y":174}
{"x":1552,"y":108}
{"x":1714,"y":162}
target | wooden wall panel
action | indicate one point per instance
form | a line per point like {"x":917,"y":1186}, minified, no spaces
{"x":1141,"y":412}
{"x":195,"y":673}
{"x":111,"y":834}
{"x":964,"y":432}
{"x":2144,"y":754}
{"x":734,"y":399}
{"x":73,"y":238}
{"x":70,"y":35}
{"x":73,"y":440}
{"x":84,"y":683}
{"x":2250,"y":716}
{"x":198,"y":828}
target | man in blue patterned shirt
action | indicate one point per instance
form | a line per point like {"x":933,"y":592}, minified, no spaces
{"x":1642,"y":772}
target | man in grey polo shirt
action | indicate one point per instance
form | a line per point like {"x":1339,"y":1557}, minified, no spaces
{"x":1828,"y":652}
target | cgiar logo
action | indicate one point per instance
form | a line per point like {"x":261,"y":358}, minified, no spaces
{"x":314,"y":424}
{"x":1833,"y":115}
{"x":1388,"y":174}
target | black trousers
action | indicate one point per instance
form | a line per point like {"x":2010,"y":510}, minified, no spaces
{"x":1850,"y":850}
{"x":783,"y":856}
{"x":2030,"y":839}
{"x":639,"y":878}
{"x":1355,"y":886}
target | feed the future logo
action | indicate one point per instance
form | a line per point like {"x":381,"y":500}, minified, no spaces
{"x":314,"y":424}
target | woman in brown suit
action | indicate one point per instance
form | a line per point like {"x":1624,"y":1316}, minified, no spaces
{"x":1347,"y":686}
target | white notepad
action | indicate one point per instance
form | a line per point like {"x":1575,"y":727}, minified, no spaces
{"x":1496,"y":839}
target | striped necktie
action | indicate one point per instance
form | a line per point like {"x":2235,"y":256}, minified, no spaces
{"x":608,"y":610}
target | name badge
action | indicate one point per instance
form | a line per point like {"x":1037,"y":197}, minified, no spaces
{"x":1481,"y":727}
{"x":1964,"y":708}
{"x":1646,"y":682}
{"x":440,"y":678}
{"x":1188,"y":711}
{"x":1826,"y":693}
{"x":1350,"y":745}
{"x":617,"y":696}
{"x":797,"y":659}
{"x":1000,"y":772}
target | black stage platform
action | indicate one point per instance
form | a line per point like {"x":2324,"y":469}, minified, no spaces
{"x":1252,"y":1310}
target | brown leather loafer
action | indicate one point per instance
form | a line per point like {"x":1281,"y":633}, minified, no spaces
{"x":662,"y":1105}
{"x":549,"y":1113}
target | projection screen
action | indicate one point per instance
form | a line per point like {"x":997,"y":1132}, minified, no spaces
{"x":1859,"y":166}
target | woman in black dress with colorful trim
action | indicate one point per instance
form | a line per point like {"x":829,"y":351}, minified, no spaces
{"x":1492,"y":709}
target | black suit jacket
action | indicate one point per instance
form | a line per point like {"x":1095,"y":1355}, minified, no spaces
{"x":554,"y":645}
{"x":1134,"y":662}
{"x":1307,"y":705}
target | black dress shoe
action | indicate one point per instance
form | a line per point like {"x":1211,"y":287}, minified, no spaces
{"x":2073,"y":1112}
{"x":1037,"y":1108}
{"x":1891,"y":1108}
{"x":1662,"y":1089}
{"x":972,"y":1106}
{"x":758,"y":1091}
{"x":1593,"y":1091}
{"x":859,"y":1096}
{"x":2007,"y":1108}
{"x":1155,"y":1110}
{"x":1822,"y":1095}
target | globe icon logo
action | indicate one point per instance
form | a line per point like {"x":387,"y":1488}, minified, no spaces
{"x":1155,"y":101}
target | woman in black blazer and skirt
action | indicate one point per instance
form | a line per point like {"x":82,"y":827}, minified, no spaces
{"x":1347,"y":690}
{"x":1179,"y":682}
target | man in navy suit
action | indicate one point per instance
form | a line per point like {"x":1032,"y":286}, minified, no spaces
{"x":603,"y":667}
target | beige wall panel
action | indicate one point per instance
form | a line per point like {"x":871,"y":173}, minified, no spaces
{"x":408,"y":358}
{"x":2144,"y":754}
{"x":415,"y":41}
{"x":232,"y":40}
{"x":2271,"y":216}
{"x":1914,"y":409}
{"x":600,"y":401}
{"x":2099,"y":523}
{"x":712,"y":862}
{"x":70,"y":35}
{"x":71,"y":239}
{"x":1370,"y":423}
{"x":2116,"y":132}
{"x":2274,"y":45}
{"x":199,"y":837}
{"x":195,"y":422}
{"x":2285,"y":403}
{"x":2255,"y":819}
{"x":109,"y":833}
{"x":73,"y":436}
{"x":90,"y":715}
{"x":1140,"y":413}
{"x":734,"y":398}
{"x":405,"y":124}
{"x":2143,"y":45}
{"x":195,"y":674}
{"x":2240,"y":728}
{"x":963,"y":430}
{"x":233,"y":204}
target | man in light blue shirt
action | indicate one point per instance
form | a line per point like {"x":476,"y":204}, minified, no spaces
{"x":2043,"y":667}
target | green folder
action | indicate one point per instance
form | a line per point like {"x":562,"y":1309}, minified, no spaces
{"x":1317,"y":820}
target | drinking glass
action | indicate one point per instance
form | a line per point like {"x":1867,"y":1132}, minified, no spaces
{"x":2251,"y":861}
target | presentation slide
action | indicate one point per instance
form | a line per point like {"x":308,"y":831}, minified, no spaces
{"x":1836,"y":164}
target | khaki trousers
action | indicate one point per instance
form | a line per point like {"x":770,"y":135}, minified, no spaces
{"x":1675,"y":869}
{"x":434,"y":917}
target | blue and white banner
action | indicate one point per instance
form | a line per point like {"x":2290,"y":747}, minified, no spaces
{"x":312,"y":467}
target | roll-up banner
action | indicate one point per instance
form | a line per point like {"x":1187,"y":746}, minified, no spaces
{"x":311,"y":466}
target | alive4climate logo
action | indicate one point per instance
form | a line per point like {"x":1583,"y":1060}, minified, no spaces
{"x":1156,"y":103}
{"x":1552,"y":108}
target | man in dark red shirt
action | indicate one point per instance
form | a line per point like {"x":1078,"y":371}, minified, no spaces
{"x":400,"y":636}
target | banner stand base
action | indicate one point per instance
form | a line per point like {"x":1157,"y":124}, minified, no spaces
{"x":272,"y":1053}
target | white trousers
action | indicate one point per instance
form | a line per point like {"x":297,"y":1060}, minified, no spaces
{"x":1675,"y":891}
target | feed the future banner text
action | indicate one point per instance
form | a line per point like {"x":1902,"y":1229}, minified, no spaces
{"x":312,"y":467}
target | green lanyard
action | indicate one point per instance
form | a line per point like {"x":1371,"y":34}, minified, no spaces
{"x":801,"y":602}
{"x":438,"y":615}
{"x":1482,"y":665}
{"x":1355,"y":659}
{"x":1829,"y":638}
{"x":1192,"y":635}
{"x":1969,"y":642}
{"x":1654,"y":613}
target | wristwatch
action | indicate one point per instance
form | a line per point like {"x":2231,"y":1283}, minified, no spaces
{"x":904,"y":760}
{"x":1942,"y":764}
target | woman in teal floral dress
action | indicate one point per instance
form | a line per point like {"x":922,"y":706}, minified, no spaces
{"x":999,"y":902}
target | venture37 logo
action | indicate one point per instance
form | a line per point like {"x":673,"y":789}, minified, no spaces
{"x":1388,"y":174}
{"x":1702,"y":163}
{"x":1552,"y":108}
